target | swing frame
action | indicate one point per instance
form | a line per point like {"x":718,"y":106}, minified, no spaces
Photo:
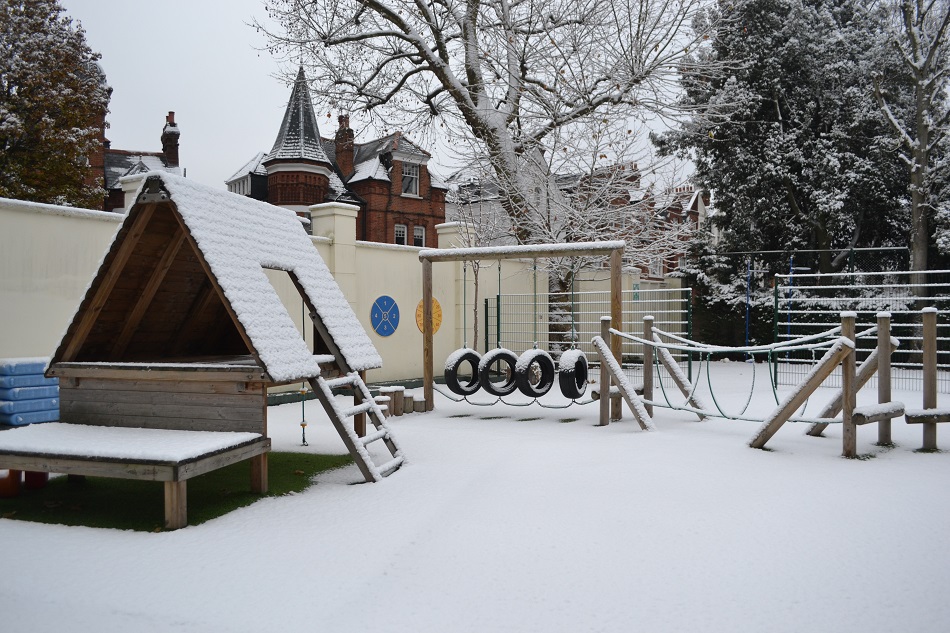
{"x":612,"y":248}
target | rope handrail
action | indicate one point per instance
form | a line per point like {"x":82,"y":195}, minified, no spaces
{"x":705,"y":346}
{"x":781,"y":346}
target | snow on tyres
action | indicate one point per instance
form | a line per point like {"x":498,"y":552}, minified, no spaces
{"x":572,"y":374}
{"x":523,"y":373}
{"x":508,"y":384}
{"x":452,"y":365}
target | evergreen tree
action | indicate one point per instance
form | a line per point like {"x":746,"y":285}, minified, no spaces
{"x":799,"y":158}
{"x":53,"y":100}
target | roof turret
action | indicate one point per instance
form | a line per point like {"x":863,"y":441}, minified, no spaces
{"x":299,"y":136}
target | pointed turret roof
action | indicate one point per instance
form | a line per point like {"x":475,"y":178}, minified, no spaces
{"x":299,"y":136}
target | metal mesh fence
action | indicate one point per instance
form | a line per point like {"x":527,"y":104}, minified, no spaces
{"x":524,"y":320}
{"x":810,"y":303}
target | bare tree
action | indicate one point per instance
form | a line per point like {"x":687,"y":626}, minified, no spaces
{"x":512,"y":74}
{"x":919,"y":32}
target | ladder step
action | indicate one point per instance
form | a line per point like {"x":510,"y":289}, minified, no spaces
{"x":363,"y":407}
{"x":343,"y":381}
{"x":372,"y":437}
{"x":390,"y":466}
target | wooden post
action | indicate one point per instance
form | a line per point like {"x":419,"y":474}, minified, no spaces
{"x":604,"y":375}
{"x":259,"y":482}
{"x":616,"y":320}
{"x":398,"y":400}
{"x":797,"y":398}
{"x":929,"y":317}
{"x":849,"y":435}
{"x":359,"y":420}
{"x":833,"y":408}
{"x":648,"y":364}
{"x":884,"y":374}
{"x":428,"y":375}
{"x":176,"y":504}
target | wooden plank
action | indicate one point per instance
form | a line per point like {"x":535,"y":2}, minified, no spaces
{"x":253,"y":389}
{"x":148,"y":293}
{"x":528,"y":251}
{"x":867,"y":415}
{"x":156,"y":372}
{"x":343,"y":432}
{"x":103,"y":286}
{"x":159,"y":410}
{"x":849,"y":432}
{"x":176,"y":504}
{"x":206,"y":464}
{"x":926,"y":417}
{"x":623,"y":385}
{"x":166,"y":423}
{"x":88,"y":467}
{"x":428,"y":370}
{"x":813,"y":380}
{"x":885,"y":350}
{"x":237,"y":400}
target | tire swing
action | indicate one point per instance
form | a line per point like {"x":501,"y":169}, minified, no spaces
{"x":508,"y":385}
{"x":454,"y":363}
{"x":524,"y":372}
{"x":572,"y":374}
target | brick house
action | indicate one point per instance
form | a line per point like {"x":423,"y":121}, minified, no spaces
{"x":400,"y":200}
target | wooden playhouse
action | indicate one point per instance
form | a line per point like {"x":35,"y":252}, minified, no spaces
{"x":165,"y":367}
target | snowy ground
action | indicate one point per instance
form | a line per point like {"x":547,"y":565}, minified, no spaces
{"x":508,"y":520}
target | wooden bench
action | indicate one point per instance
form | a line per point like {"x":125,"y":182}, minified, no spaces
{"x":169,"y":456}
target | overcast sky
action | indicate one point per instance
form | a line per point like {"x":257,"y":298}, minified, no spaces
{"x":198,"y":58}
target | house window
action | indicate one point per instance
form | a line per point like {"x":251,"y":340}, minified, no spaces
{"x":656,"y":267}
{"x":401,"y":234}
{"x":410,"y":179}
{"x":418,"y":236}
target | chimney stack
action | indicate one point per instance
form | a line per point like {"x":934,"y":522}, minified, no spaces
{"x":170,"y":134}
{"x":345,"y":146}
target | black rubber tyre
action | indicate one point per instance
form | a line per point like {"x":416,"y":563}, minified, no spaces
{"x":453,"y":363}
{"x":572,"y":374}
{"x":508,"y":385}
{"x":523,"y":371}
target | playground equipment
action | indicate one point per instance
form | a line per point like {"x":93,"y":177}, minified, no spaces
{"x":573,"y":371}
{"x":837,"y":345}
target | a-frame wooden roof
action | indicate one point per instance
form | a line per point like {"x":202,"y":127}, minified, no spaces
{"x":184,"y":280}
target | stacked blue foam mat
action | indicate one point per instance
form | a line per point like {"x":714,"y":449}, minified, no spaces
{"x":26,"y":395}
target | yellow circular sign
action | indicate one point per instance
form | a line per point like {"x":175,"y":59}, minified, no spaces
{"x":436,"y":315}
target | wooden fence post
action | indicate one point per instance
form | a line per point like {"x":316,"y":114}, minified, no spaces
{"x":884,"y":373}
{"x":648,"y":364}
{"x":849,"y":439}
{"x":929,"y":317}
{"x":604,"y":375}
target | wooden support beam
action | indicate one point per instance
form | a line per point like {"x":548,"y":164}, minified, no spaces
{"x":926,"y":416}
{"x":929,"y":317}
{"x":525,"y":251}
{"x":648,"y":363}
{"x":611,"y":367}
{"x":428,"y":370}
{"x":259,"y":478}
{"x":604,"y":376}
{"x":148,"y":293}
{"x":680,"y":380}
{"x":849,"y":432}
{"x":616,"y":319}
{"x":884,"y":350}
{"x":103,"y":286}
{"x":176,"y":504}
{"x":833,"y":408}
{"x":883,"y":412}
{"x":793,"y":401}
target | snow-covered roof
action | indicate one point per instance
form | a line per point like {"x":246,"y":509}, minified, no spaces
{"x":253,"y":166}
{"x":119,"y":163}
{"x":299,"y":135}
{"x":372,"y":169}
{"x":239,"y":237}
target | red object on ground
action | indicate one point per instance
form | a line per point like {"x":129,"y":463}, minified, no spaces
{"x":34,"y":480}
{"x":10,"y":482}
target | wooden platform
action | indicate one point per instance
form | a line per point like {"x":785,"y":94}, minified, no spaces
{"x":169,"y":456}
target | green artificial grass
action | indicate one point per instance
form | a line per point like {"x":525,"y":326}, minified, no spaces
{"x":128,"y":504}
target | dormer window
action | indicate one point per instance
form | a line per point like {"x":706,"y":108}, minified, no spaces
{"x":410,"y":179}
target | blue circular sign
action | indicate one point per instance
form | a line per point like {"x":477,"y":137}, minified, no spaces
{"x":384,"y":316}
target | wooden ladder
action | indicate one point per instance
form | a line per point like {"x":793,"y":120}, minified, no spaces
{"x":355,"y":444}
